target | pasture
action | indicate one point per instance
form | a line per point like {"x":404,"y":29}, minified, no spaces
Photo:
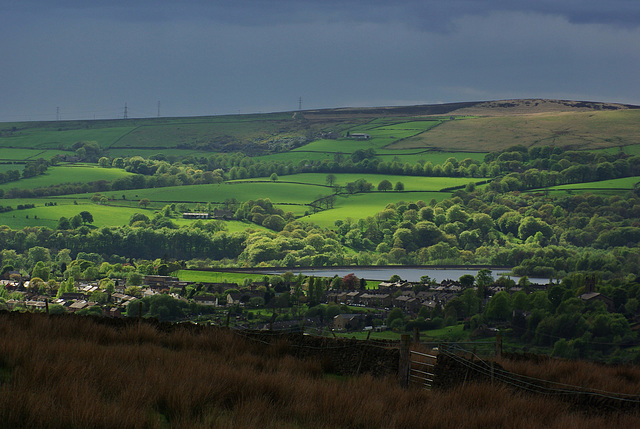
{"x":216,"y":277}
{"x":411,"y":183}
{"x":622,"y":183}
{"x":361,"y":206}
{"x":381,"y":131}
{"x":26,"y":154}
{"x":387,"y":155}
{"x":52,"y":138}
{"x":71,"y":173}
{"x":49,"y":216}
{"x":219,"y":193}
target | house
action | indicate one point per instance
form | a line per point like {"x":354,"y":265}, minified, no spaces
{"x":161,"y":282}
{"x":407,"y":303}
{"x":348,"y":322}
{"x":376,"y":299}
{"x":113,"y":312}
{"x":73,"y":296}
{"x":78,"y":305}
{"x":121,"y":299}
{"x":206,"y":300}
{"x":596,"y":296}
{"x":38,"y":305}
{"x":233,"y":299}
{"x":352,"y":297}
{"x":590,"y":295}
{"x":148,"y":293}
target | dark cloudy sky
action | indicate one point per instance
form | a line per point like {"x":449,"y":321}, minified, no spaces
{"x":201,"y":57}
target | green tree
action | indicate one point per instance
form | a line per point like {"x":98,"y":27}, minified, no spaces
{"x":385,"y":185}
{"x":144,"y":203}
{"x":394,"y":314}
{"x":467,"y":280}
{"x":104,"y":162}
{"x":399,"y":186}
{"x":86,"y":217}
{"x":273,"y":177}
{"x":330,"y":180}
{"x":63,"y":223}
{"x":499,"y":307}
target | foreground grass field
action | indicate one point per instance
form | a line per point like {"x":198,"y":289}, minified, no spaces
{"x":76,"y":372}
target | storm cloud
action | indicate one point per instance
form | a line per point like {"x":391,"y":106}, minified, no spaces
{"x":199,"y":57}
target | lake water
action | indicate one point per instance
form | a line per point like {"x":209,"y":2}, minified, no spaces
{"x":408,"y":274}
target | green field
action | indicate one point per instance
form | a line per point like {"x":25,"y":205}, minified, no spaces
{"x":216,"y":277}
{"x":25,"y":154}
{"x":49,"y":216}
{"x":622,"y":183}
{"x":381,"y":136}
{"x":361,"y":206}
{"x":231,"y":225}
{"x":151,"y":133}
{"x":11,"y":166}
{"x":51,"y":138}
{"x":73,"y":173}
{"x":277,"y":192}
{"x":411,"y":183}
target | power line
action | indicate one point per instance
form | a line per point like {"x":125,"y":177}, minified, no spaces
{"x":125,"y":111}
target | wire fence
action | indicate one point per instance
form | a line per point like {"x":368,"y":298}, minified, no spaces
{"x":490,"y":371}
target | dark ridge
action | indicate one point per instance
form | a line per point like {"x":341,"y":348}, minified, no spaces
{"x":427,"y":109}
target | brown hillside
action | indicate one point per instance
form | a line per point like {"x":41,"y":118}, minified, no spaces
{"x":74,"y":372}
{"x":472,"y":108}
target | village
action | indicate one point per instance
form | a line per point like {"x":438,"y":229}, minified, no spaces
{"x":286,"y":305}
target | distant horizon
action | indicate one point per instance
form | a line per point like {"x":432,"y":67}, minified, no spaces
{"x":116,"y":118}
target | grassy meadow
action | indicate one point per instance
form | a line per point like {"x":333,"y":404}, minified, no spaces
{"x":411,"y":183}
{"x":77,"y":173}
{"x":622,"y":183}
{"x":361,"y":206}
{"x":103,"y":215}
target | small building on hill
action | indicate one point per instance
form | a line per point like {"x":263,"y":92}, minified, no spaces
{"x":195,"y":215}
{"x":359,"y":136}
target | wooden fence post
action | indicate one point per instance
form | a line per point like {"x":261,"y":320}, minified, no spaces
{"x":416,"y":335}
{"x":403,"y":367}
{"x":498,"y":345}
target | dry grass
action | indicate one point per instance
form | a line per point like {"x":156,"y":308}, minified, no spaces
{"x":619,"y":379}
{"x":577,"y":130}
{"x":74,"y":372}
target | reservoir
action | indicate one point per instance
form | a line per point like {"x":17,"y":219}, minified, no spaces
{"x":412,"y":274}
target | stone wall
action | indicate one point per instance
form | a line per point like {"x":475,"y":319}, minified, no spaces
{"x":338,"y":355}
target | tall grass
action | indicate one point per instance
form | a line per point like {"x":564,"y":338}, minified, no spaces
{"x":77,"y":372}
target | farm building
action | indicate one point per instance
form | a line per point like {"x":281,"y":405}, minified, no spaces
{"x":359,"y":136}
{"x":195,"y":215}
